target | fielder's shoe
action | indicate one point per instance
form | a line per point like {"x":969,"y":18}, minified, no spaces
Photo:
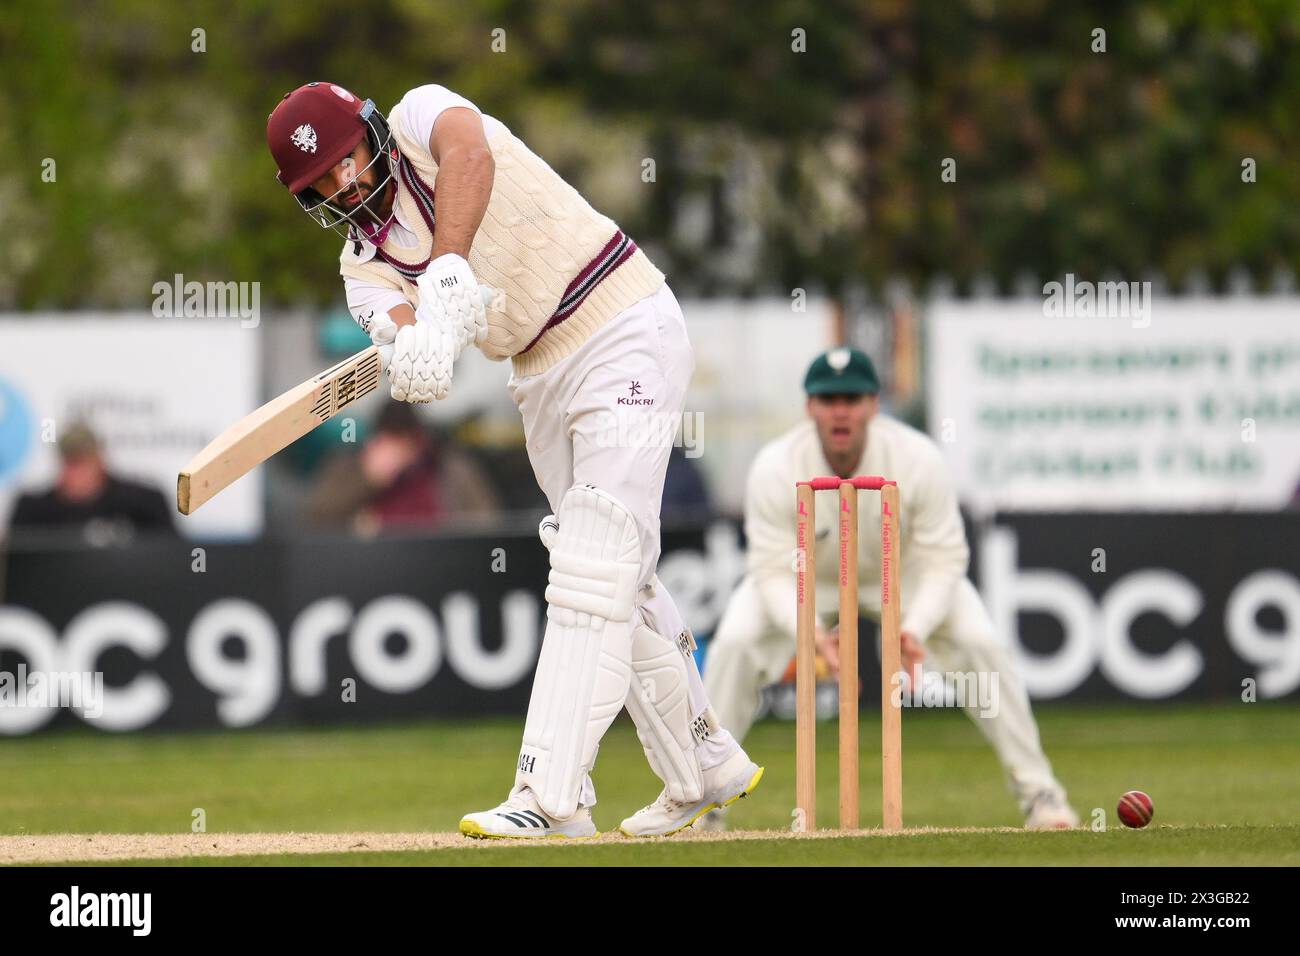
{"x":520,"y":818}
{"x":1049,"y":811}
{"x":726,"y":783}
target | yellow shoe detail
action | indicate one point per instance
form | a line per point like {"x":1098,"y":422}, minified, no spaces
{"x":474,"y":829}
{"x":753,"y":782}
{"x":748,"y":787}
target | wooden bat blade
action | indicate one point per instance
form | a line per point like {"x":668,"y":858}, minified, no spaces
{"x":281,"y":421}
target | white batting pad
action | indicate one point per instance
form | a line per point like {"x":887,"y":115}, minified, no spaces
{"x":659,"y":701}
{"x":585,"y":665}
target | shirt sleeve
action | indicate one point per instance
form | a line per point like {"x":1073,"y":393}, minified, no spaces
{"x":935,"y":553}
{"x":769,"y":534}
{"x":421,"y":108}
{"x":366,"y":299}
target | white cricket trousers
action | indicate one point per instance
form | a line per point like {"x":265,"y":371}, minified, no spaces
{"x":747,"y":653}
{"x":577,"y":431}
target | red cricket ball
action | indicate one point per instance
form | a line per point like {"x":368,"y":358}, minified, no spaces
{"x":1135,"y":809}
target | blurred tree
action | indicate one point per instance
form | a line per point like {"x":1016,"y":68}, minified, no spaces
{"x":794,"y":142}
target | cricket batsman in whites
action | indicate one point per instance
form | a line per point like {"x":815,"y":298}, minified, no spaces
{"x":433,"y":201}
{"x":942,"y":615}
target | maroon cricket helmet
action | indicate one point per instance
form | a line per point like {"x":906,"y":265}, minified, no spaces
{"x":313,"y":129}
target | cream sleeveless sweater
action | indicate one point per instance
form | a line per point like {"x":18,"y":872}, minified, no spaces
{"x":563,"y":268}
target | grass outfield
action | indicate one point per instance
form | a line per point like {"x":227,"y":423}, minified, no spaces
{"x":1223,"y":779}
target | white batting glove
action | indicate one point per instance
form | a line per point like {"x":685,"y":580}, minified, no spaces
{"x":547,"y":530}
{"x":451,"y":296}
{"x":382,"y":331}
{"x":420,"y":370}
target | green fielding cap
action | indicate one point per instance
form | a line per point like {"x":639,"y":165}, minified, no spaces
{"x":842,"y":371}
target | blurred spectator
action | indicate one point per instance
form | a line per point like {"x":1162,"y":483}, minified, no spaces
{"x":401,"y":478}
{"x":686,"y":496}
{"x":89,"y":501}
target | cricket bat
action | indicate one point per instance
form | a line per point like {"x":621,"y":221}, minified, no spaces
{"x":259,"y":435}
{"x":256,"y":437}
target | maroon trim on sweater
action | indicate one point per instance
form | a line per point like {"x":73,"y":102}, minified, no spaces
{"x":616,"y":252}
{"x":422,"y":192}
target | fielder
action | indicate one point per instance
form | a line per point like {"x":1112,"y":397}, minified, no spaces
{"x":943,"y":618}
{"x":432,"y":201}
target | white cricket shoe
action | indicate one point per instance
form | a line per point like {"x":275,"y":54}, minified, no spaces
{"x":715,"y":821}
{"x":1049,"y":811}
{"x":726,"y":783}
{"x":521,"y":818}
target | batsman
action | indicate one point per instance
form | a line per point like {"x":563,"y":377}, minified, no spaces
{"x":433,"y":201}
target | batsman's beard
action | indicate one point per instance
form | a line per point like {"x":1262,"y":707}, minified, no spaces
{"x":367,"y":214}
